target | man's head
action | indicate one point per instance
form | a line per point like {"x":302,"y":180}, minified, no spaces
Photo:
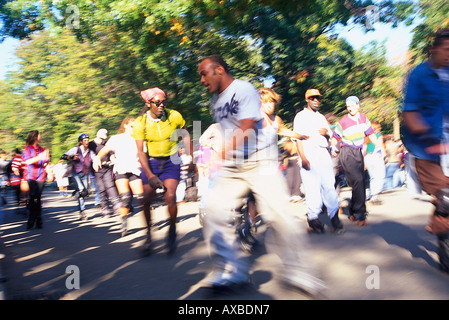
{"x":214,"y":72}
{"x":439,"y":51}
{"x":102,"y":134}
{"x":313,"y":98}
{"x":353,"y":105}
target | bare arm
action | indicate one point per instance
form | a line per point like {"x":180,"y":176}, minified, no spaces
{"x":143,"y":159}
{"x":285,"y":132}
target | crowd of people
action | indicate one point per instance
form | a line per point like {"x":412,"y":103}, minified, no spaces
{"x":239,"y":153}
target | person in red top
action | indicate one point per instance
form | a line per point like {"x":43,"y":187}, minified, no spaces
{"x":36,"y":158}
{"x":17,"y":167}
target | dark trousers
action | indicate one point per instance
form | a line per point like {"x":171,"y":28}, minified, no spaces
{"x":352,"y":163}
{"x":293,"y":176}
{"x":106,"y":187}
{"x":34,"y":205}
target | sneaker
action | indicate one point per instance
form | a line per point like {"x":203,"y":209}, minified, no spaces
{"x":305,"y":283}
{"x":337,"y":226}
{"x":315,"y":226}
{"x":376,"y":201}
{"x":83,"y":215}
{"x":229,"y":283}
{"x":359,"y":218}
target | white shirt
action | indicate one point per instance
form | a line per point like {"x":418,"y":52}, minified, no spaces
{"x":308,"y":123}
{"x":125,"y":149}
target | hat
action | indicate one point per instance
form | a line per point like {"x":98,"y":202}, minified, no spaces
{"x":83,"y":136}
{"x":352,"y":98}
{"x":312,"y":93}
{"x":102,"y":134}
{"x":149,"y":94}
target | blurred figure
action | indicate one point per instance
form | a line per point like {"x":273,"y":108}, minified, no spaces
{"x":161,"y":166}
{"x":317,"y":170}
{"x":351,"y":131}
{"x":81,"y":157}
{"x":104,"y":178}
{"x":126,"y":167}
{"x":186,"y":161}
{"x":426,"y":134}
{"x":292,"y":171}
{"x":4,"y":179}
{"x":393,"y":162}
{"x":36,"y":158}
{"x":375,"y":164}
{"x":250,"y":166}
{"x":17,"y":169}
{"x":61,"y":175}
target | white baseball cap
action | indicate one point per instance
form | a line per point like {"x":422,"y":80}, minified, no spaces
{"x":102,"y":134}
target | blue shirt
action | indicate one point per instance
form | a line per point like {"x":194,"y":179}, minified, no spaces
{"x":427,"y":94}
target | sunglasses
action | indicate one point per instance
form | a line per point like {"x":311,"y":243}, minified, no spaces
{"x":317,"y":98}
{"x":158,"y":103}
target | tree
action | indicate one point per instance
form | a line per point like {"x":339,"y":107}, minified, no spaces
{"x":83,"y":76}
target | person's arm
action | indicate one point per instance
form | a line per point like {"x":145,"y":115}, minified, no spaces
{"x":285,"y":132}
{"x":43,"y":156}
{"x":415,"y":122}
{"x":96,"y":162}
{"x":304,"y":161}
{"x":153,"y":180}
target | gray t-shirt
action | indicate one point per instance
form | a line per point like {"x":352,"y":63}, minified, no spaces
{"x":239,"y":101}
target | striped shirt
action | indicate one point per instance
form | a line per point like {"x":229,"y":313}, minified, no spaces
{"x":19,"y":164}
{"x":34,"y":171}
{"x":351,"y":132}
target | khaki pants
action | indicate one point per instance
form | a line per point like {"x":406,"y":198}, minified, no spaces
{"x":269,"y":187}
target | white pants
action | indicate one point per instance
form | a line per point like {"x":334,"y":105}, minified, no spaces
{"x":319,"y":184}
{"x":272,"y":198}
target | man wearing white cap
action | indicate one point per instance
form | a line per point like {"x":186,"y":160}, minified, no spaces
{"x":104,"y":178}
{"x":351,"y":131}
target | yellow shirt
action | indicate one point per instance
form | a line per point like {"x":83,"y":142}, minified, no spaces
{"x":158,"y":134}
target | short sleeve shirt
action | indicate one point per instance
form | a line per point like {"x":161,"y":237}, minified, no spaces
{"x":160,"y":134}
{"x":240,"y":100}
{"x":125,"y":149}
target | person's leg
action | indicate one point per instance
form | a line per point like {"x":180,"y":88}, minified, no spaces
{"x":79,"y":187}
{"x":436,"y":183}
{"x":353,"y":166}
{"x":111,"y":189}
{"x":32,"y":203}
{"x":288,"y":239}
{"x":311,"y":182}
{"x":40,"y":188}
{"x":100,"y":189}
{"x":226,"y":194}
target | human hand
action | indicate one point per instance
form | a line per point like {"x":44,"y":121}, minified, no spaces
{"x":305,"y":164}
{"x":155,"y":183}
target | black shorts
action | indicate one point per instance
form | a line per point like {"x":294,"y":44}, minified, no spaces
{"x":130,"y":176}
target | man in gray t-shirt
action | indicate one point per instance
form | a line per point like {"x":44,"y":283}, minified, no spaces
{"x":249,"y":164}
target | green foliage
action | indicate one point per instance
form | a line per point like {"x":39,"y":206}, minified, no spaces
{"x":75,"y":79}
{"x":433,"y":14}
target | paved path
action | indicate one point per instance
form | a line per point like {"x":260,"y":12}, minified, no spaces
{"x":391,"y":258}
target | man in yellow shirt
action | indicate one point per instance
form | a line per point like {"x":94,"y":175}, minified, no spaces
{"x":160,"y":128}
